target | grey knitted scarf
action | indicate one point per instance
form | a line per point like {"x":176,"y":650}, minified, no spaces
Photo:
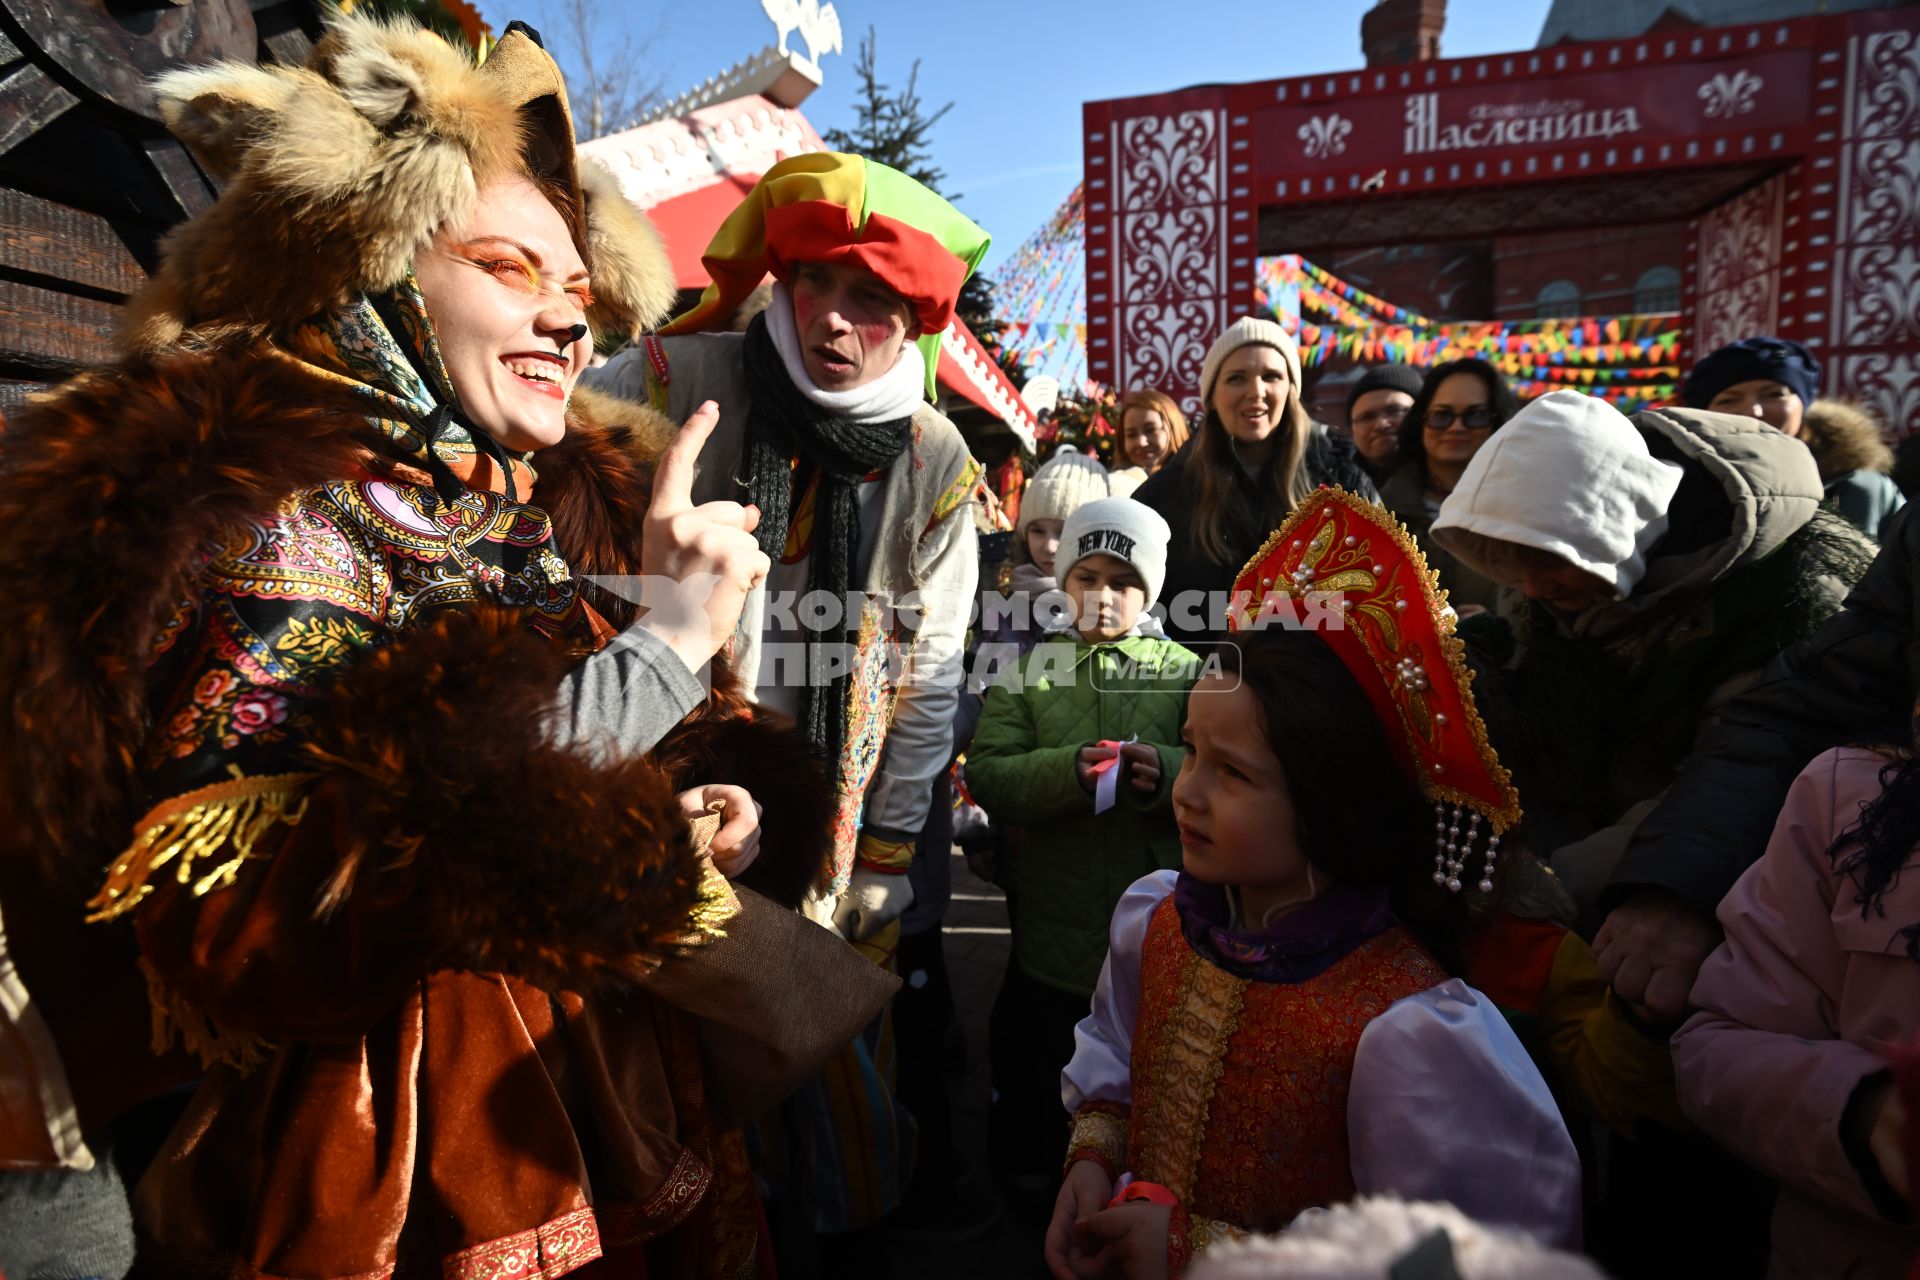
{"x":783,"y":424}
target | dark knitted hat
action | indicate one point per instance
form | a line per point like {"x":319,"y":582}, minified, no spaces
{"x":1383,"y":377}
{"x":1779,"y":360}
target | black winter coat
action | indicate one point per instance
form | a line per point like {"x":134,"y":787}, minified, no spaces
{"x":1855,"y":680}
{"x":1330,"y":460}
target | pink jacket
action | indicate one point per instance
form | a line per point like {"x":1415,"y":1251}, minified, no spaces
{"x":1797,"y":1007}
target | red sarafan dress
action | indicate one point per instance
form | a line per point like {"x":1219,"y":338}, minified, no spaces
{"x":1257,"y":1074}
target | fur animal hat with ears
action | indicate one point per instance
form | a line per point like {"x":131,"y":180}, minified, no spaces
{"x":336,"y":174}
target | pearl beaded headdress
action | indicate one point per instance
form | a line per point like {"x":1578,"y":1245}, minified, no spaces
{"x":1345,"y":568}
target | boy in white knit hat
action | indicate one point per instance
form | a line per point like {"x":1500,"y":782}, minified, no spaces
{"x":1078,"y":746}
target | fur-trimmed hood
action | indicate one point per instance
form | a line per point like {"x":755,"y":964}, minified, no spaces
{"x":1745,"y":489}
{"x":336,"y":174}
{"x":1844,"y":437}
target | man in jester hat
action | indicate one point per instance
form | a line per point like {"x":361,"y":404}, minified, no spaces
{"x":862,"y":492}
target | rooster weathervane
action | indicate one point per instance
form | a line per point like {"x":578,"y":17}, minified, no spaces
{"x":817,"y":24}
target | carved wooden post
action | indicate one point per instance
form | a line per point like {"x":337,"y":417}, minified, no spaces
{"x":89,"y":178}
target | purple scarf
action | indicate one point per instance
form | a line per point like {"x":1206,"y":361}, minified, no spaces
{"x":1302,"y":945}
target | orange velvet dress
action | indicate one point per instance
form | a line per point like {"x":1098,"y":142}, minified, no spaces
{"x":1240,"y":1087}
{"x":288,"y":706}
{"x":1254,"y":1087}
{"x":388,"y":1097}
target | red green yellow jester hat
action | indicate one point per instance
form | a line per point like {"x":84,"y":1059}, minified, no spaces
{"x":830,"y":207}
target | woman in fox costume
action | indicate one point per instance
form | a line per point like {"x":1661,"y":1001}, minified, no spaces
{"x":332,"y":768}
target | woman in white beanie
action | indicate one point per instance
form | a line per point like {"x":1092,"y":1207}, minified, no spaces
{"x":1256,"y":454}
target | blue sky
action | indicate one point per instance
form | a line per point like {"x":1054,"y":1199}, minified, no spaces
{"x":1018,"y":70}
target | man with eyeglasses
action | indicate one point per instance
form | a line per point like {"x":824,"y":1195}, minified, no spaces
{"x":1376,"y":404}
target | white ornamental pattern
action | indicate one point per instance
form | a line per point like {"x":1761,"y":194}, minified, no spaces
{"x":1882,"y":291}
{"x":1886,"y":97}
{"x":1888,"y":381}
{"x":1738,"y":269}
{"x":1171,"y":246}
{"x":1171,"y":160}
{"x":1325,"y":136}
{"x":1883,"y":190}
{"x":1726,"y":96}
{"x":1165,"y":345}
{"x":1170,"y":253}
{"x":1874,"y":323}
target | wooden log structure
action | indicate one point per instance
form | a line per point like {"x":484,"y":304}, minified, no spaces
{"x":89,"y":178}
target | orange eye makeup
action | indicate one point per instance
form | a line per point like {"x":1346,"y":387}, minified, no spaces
{"x":514,"y":269}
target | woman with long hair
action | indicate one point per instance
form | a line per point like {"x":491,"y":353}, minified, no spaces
{"x":334,"y":764}
{"x":1459,"y":407}
{"x":1152,"y":430}
{"x":1256,"y":454}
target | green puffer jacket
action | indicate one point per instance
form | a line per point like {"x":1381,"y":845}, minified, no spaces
{"x":1064,"y":695}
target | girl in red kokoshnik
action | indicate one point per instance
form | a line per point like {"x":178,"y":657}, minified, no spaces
{"x":1277,"y":1026}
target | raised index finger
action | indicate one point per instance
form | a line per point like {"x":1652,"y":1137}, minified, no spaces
{"x":673,"y":476}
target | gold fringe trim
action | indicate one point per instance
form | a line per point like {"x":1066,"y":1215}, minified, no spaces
{"x":716,"y":905}
{"x":1210,"y":1233}
{"x":225,"y":819}
{"x":716,"y":902}
{"x":176,"y":1018}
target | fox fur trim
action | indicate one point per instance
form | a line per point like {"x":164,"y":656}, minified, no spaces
{"x":119,"y":483}
{"x":337,"y":174}
{"x":596,"y":484}
{"x":1844,"y":437}
{"x":437,"y":745}
{"x":633,"y":282}
{"x":114,"y":488}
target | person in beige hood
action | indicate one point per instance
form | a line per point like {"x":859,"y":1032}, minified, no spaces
{"x":1653,"y":566}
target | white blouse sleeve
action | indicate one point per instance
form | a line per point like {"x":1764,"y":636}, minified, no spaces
{"x":1446,"y":1105}
{"x":1101,"y":1069}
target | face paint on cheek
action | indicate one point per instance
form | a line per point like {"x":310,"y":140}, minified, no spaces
{"x":874,"y":336}
{"x":803,"y":311}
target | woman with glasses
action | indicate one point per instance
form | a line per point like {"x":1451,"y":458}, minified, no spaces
{"x":1459,"y":407}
